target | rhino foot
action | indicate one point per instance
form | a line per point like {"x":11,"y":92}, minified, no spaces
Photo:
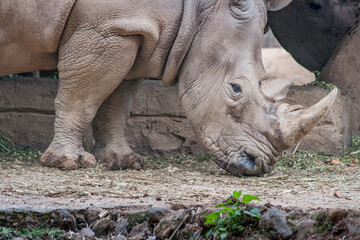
{"x":119,"y":161}
{"x":65,"y":161}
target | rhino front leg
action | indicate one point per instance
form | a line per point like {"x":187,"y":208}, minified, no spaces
{"x":109,"y":124}
{"x":90,"y":67}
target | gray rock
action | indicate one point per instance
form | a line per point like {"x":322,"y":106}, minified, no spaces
{"x":157,"y":213}
{"x":103,"y":226}
{"x":136,"y":218}
{"x":92,"y":214}
{"x":120,"y":237}
{"x":31,"y":222}
{"x":335,"y":215}
{"x":65,"y":220}
{"x":120,"y":228}
{"x":336,"y":123}
{"x":274,"y":219}
{"x":189,"y":232}
{"x":305,"y":228}
{"x":75,"y":236}
{"x":80,"y":220}
{"x":353,"y":227}
{"x":139,"y":231}
{"x":168,"y":224}
{"x":87,"y":232}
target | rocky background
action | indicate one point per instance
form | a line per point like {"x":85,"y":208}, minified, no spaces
{"x":162,"y":223}
{"x":158,"y":126}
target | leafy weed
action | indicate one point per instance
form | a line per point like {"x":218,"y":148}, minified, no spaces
{"x":232,"y":217}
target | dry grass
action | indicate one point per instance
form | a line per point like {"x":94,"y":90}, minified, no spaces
{"x":304,"y":180}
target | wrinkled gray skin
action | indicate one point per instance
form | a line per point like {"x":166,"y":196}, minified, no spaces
{"x":312,"y":29}
{"x":343,"y":69}
{"x":212,"y":47}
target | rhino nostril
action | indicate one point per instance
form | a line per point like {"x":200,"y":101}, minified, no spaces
{"x":244,"y":164}
{"x":247,"y":161}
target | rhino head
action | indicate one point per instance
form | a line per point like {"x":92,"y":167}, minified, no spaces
{"x":239,"y":114}
{"x":312,"y":29}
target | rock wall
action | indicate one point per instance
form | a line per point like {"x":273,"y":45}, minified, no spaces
{"x":278,"y":63}
{"x":334,"y":131}
{"x":157,"y":126}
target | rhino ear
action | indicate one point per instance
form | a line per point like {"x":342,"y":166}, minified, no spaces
{"x":276,"y":5}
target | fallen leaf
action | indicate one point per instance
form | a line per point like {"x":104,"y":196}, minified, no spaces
{"x":337,"y":194}
{"x":356,"y":160}
{"x":335,"y":161}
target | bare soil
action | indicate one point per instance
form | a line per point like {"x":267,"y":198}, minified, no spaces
{"x":171,"y":182}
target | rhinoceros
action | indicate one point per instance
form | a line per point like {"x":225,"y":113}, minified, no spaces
{"x":312,"y":29}
{"x":322,"y":35}
{"x":210,"y":47}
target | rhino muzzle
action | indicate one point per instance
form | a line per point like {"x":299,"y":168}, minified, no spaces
{"x":247,"y":165}
{"x":250,"y":149}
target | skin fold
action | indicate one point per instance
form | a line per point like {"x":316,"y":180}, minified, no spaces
{"x":211,"y":48}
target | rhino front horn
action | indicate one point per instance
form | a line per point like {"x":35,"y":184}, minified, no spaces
{"x":295,"y":121}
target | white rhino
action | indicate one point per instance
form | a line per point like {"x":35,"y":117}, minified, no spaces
{"x":210,"y":47}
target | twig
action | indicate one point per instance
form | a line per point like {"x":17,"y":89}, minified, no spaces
{"x":296,"y":148}
{"x":279,"y":177}
{"x":178,"y":227}
{"x":103,"y":214}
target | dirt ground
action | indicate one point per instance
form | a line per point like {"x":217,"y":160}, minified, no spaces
{"x":175,"y":182}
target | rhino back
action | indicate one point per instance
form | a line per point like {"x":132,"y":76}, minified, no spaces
{"x":30,"y":33}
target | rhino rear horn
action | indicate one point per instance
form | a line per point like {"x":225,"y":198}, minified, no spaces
{"x":275,"y":90}
{"x":276,"y":5}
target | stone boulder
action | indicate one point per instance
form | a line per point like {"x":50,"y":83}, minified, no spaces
{"x":333,"y":133}
{"x":274,"y":220}
{"x":280,"y":64}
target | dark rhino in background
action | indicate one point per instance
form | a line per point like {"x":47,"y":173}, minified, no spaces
{"x":323,"y":35}
{"x":312,"y":29}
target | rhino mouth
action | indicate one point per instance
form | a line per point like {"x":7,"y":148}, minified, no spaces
{"x":246,"y":161}
{"x":246,"y":164}
{"x":251,"y":159}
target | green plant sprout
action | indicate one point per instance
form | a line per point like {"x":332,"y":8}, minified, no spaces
{"x":231,"y":219}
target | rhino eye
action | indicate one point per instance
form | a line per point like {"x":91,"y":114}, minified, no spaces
{"x":236,"y":88}
{"x":240,"y":6}
{"x":315,"y":6}
{"x":239,"y":2}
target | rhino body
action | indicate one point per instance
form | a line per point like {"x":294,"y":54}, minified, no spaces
{"x":102,"y":49}
{"x":343,"y":69}
{"x":30,"y":33}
